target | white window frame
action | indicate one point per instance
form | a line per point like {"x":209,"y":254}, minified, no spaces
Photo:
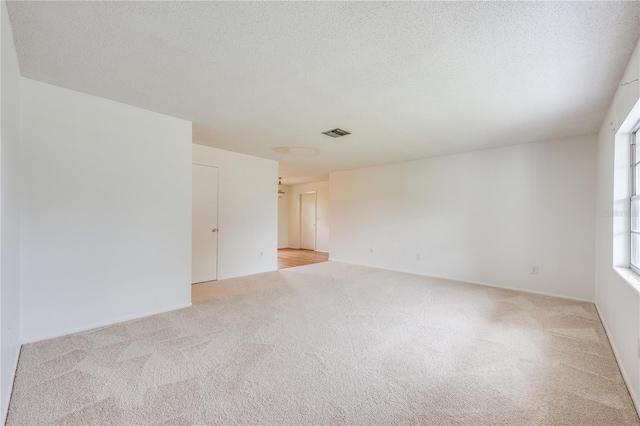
{"x":634,"y":195}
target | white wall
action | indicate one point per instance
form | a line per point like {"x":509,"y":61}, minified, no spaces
{"x":322,"y":207}
{"x":485,"y":217}
{"x":9,"y":211}
{"x":283,"y":220}
{"x":106,"y":211}
{"x":617,"y":301}
{"x":247,"y":211}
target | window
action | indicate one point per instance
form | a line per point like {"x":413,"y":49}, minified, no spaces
{"x":634,"y":262}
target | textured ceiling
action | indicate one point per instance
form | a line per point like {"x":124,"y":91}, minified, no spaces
{"x":409,"y":80}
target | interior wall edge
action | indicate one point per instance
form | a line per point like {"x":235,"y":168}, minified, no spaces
{"x":67,"y":332}
{"x":246,"y":275}
{"x":14,"y":371}
{"x":247,"y":242}
{"x":461,"y":280}
{"x":623,"y":371}
{"x":10,"y":152}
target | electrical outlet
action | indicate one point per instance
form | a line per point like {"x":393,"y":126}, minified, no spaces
{"x":418,"y":257}
{"x":261,"y":254}
{"x":534,"y":269}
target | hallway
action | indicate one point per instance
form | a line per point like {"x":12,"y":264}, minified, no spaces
{"x":288,"y":257}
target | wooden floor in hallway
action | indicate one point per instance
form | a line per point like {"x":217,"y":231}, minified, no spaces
{"x":288,"y":257}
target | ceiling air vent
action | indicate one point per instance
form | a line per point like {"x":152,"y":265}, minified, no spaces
{"x":336,"y":133}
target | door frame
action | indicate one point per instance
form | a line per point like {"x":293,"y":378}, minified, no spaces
{"x":195,"y":163}
{"x":315,"y":220}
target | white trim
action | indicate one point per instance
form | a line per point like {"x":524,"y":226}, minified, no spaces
{"x":102,"y":324}
{"x":246,"y":275}
{"x":541,"y":293}
{"x":199,"y":163}
{"x":298,"y":248}
{"x":625,"y":376}
{"x":629,"y":277}
{"x":626,"y":135}
{"x":630,"y":124}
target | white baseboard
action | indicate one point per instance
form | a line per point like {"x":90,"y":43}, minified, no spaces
{"x":219,"y":280}
{"x":624,"y":373}
{"x":468,"y":281}
{"x":102,"y":324}
{"x":625,"y":376}
{"x":298,"y":248}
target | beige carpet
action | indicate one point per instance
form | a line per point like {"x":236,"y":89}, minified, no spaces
{"x":334,"y":344}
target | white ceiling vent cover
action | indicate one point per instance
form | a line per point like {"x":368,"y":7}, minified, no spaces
{"x":336,"y":133}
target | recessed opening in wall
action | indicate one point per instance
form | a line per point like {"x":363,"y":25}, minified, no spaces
{"x":303,"y":225}
{"x":626,"y":194}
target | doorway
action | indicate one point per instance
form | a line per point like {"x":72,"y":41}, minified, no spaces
{"x":289,"y":258}
{"x":308,"y":213}
{"x":204,"y":239}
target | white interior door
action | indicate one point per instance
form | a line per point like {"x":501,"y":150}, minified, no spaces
{"x":204,"y":252}
{"x":308,"y":221}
